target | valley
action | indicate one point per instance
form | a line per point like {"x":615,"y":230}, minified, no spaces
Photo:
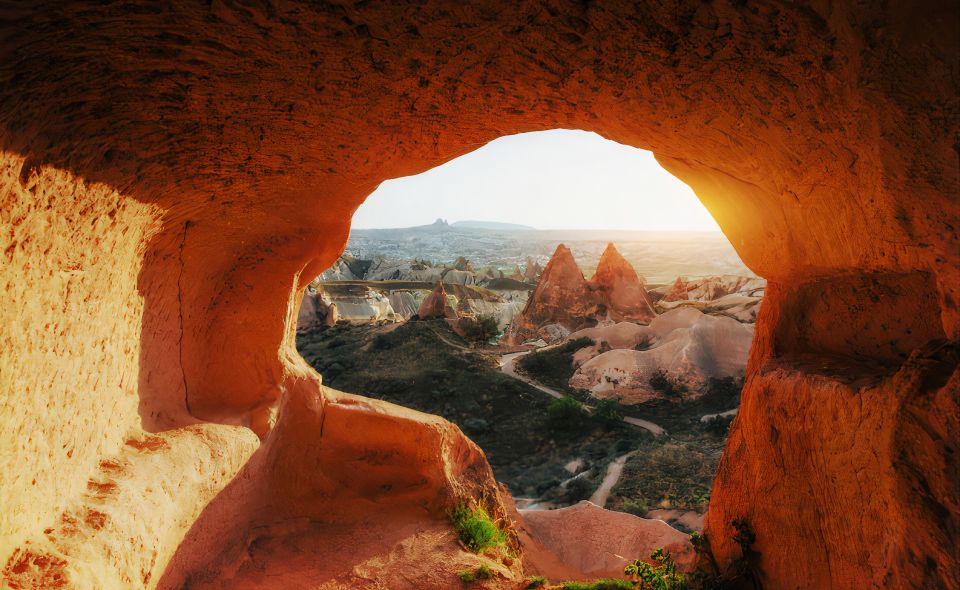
{"x":562,"y":394}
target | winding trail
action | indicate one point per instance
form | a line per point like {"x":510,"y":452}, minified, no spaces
{"x":614,"y":470}
{"x":509,"y":367}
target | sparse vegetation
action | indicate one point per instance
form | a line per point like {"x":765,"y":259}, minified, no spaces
{"x":506,"y":417}
{"x":527,"y":444}
{"x":662,"y":382}
{"x":536,"y":582}
{"x":604,"y":584}
{"x":482,"y":572}
{"x":661,"y":575}
{"x":476,"y":528}
{"x":554,"y":367}
{"x":676,"y":473}
{"x":644,"y":344}
{"x":387,"y":340}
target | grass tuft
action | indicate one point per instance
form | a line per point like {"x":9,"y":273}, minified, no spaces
{"x":475,"y":528}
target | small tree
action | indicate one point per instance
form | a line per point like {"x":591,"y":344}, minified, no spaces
{"x":565,"y":413}
{"x":607,"y":412}
{"x":481,"y":329}
{"x":662,"y":575}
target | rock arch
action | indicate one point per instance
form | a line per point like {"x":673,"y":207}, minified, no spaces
{"x":173,"y":174}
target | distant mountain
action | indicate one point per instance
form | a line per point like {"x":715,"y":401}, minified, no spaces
{"x":497,"y":225}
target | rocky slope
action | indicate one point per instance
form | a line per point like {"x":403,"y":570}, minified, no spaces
{"x":689,"y":346}
{"x":360,"y":302}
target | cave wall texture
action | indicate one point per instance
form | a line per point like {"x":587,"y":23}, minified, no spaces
{"x":173,"y":173}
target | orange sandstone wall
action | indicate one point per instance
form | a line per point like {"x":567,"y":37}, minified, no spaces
{"x":70,"y":345}
{"x":201,"y":163}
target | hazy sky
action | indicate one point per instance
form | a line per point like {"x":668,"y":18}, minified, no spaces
{"x":558,"y":179}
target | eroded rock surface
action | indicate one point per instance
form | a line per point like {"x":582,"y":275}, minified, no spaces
{"x":174,"y":175}
{"x":620,"y":290}
{"x":687,"y":345}
{"x":564,"y":300}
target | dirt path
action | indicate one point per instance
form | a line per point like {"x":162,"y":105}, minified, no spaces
{"x":509,"y":367}
{"x":614,"y":470}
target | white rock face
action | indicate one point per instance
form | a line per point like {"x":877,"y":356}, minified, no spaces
{"x":371,"y":306}
{"x":459,"y":277}
{"x":615,"y":335}
{"x":503,"y":311}
{"x":338,"y":272}
{"x":403,"y":270}
{"x":688,"y":345}
{"x":405,"y":303}
{"x":735,"y":296}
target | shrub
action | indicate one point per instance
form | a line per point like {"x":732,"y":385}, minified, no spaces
{"x":662,"y":575}
{"x":605,"y":584}
{"x":536,"y":582}
{"x":644,"y":344}
{"x":662,"y":382}
{"x":475,"y":528}
{"x":388,"y":340}
{"x":553,"y":366}
{"x":481,"y":573}
{"x":579,"y":489}
{"x":565,"y":413}
{"x":718,"y":425}
{"x":607,"y":412}
{"x":727,"y":388}
{"x":481,"y":329}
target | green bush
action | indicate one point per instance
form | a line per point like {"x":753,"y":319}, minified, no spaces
{"x":481,"y":573}
{"x":662,"y":575}
{"x":482,"y":329}
{"x":605,"y":584}
{"x":607,"y":412}
{"x":475,"y":528}
{"x":536,"y":582}
{"x":565,"y":413}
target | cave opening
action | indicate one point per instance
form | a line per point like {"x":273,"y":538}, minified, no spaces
{"x":172,"y":176}
{"x":563,"y":299}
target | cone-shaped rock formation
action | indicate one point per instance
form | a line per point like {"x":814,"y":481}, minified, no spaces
{"x":562,"y":296}
{"x":436,"y":305}
{"x":617,"y":285}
